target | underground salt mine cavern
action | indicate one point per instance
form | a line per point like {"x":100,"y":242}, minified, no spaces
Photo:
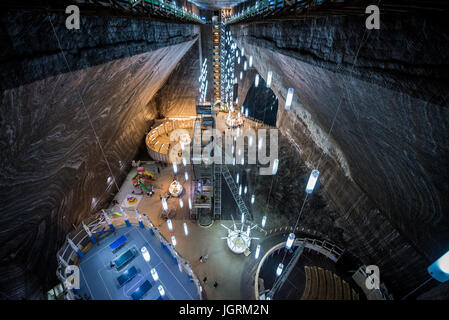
{"x":224,"y":150}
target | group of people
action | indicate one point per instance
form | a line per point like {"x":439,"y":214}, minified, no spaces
{"x":204,"y":259}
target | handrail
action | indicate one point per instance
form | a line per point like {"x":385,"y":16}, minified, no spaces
{"x":149,"y":8}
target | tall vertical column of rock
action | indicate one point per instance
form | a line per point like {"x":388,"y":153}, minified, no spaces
{"x":53,"y":172}
{"x":383,"y":96}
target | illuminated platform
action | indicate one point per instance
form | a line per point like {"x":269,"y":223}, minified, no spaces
{"x":163,"y":141}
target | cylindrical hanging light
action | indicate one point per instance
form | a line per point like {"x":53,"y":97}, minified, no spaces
{"x":290,"y":239}
{"x":312,"y":181}
{"x":269,"y":78}
{"x":264,"y":220}
{"x":256,"y":256}
{"x":279,"y":269}
{"x":170,"y":225}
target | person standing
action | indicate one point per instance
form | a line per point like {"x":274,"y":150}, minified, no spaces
{"x":201,"y":259}
{"x":206,"y":257}
{"x":205,"y":279}
{"x":215,"y":284}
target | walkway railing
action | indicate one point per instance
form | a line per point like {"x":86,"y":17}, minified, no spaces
{"x":326,"y":248}
{"x":148,"y":8}
{"x":80,"y":240}
{"x":270,"y":8}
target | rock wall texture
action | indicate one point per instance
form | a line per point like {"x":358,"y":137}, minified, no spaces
{"x":382,"y":96}
{"x":53,"y":172}
{"x":177,"y":98}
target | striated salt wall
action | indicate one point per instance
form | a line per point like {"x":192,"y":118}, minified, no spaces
{"x":385,"y":164}
{"x":53,"y":173}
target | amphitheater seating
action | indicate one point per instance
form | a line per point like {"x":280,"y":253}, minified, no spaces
{"x":158,"y":139}
{"x":330,"y":295}
{"x":322,"y":284}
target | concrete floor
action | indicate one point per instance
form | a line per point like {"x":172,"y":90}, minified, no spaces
{"x":233,"y":273}
{"x":222,"y":266}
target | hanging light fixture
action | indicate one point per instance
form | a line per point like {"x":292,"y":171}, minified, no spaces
{"x":181,"y":203}
{"x":275,"y":166}
{"x":164,"y":204}
{"x":288,"y":101}
{"x":154,"y":274}
{"x":186,"y":231}
{"x":256,"y":81}
{"x":256,"y":256}
{"x":175,"y":167}
{"x":250,"y":61}
{"x":312,"y":181}
{"x":269,"y":78}
{"x":190,"y":204}
{"x":161,"y":290}
{"x":173,"y":240}
{"x":264,"y":221}
{"x":253,"y":199}
{"x":290,"y":239}
{"x":186,"y":176}
{"x":279,"y":269}
{"x":169,"y":224}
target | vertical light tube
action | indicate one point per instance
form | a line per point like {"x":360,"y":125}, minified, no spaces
{"x":170,"y":225}
{"x":186,"y":231}
{"x":256,"y":81}
{"x":257,"y":252}
{"x":312,"y":181}
{"x":269,"y":78}
{"x":288,"y":101}
{"x":279,"y":269}
{"x":275,"y":166}
{"x":164,"y":204}
{"x":264,"y":221}
{"x":290,"y":239}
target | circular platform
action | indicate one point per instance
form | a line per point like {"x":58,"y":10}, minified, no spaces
{"x":168,"y":141}
{"x":238,"y":241}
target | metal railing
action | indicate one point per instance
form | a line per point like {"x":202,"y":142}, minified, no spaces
{"x":152,"y":8}
{"x":99,"y":228}
{"x":266,"y":8}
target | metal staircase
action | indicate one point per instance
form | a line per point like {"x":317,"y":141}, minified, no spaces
{"x":235,"y":191}
{"x":217,"y":191}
